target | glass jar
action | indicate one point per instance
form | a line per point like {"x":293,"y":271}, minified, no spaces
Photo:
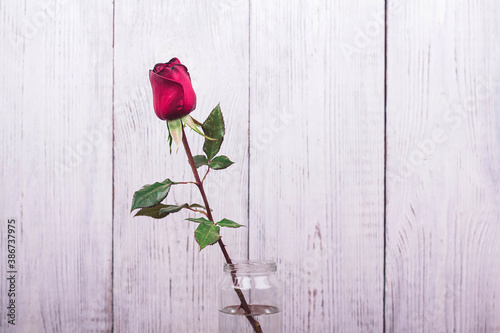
{"x":250,"y":298}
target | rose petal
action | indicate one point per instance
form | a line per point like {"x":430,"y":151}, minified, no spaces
{"x":173,"y":93}
{"x":168,"y":97}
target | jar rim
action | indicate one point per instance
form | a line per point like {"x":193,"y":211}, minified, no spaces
{"x":250,"y":266}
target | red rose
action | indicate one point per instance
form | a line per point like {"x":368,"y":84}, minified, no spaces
{"x":173,"y":94}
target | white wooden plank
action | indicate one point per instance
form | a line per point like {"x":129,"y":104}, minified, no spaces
{"x":317,"y":159}
{"x":162,"y":283}
{"x":316,"y":73}
{"x":56,"y":162}
{"x":10,"y":152}
{"x":443,"y":217}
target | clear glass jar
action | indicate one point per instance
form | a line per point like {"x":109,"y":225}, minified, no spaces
{"x":250,"y":298}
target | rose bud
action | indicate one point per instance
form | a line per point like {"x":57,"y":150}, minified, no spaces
{"x":173,"y":94}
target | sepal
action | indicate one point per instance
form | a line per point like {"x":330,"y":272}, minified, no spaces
{"x":194,"y":125}
{"x":174,"y":133}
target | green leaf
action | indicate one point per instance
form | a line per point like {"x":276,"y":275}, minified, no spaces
{"x":220,"y":162}
{"x":175,"y":132}
{"x":194,"y":124}
{"x":207,"y":233}
{"x":198,"y":220}
{"x":197,"y":206}
{"x":200,"y":160}
{"x":168,"y":209}
{"x":200,"y":208}
{"x":154,"y":212}
{"x":160,"y":210}
{"x":229,"y":224}
{"x":213,"y":128}
{"x":151,"y":195}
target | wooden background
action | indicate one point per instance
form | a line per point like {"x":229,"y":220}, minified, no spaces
{"x":367,"y":141}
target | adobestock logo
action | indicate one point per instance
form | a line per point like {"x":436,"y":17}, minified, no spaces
{"x":454,"y":117}
{"x":267,"y":134}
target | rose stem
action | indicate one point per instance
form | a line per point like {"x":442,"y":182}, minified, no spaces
{"x":255,"y":324}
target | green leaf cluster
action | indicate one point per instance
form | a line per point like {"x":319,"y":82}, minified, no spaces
{"x":149,"y":198}
{"x":214,"y":130}
{"x":207,"y":232}
{"x":217,"y":163}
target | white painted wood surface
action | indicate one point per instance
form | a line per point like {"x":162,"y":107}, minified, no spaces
{"x":56,"y":163}
{"x":317,"y":159}
{"x":301,"y":85}
{"x":443,"y":139}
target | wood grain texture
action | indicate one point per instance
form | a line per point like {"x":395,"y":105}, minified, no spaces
{"x":301,"y":85}
{"x":317,"y":159}
{"x":162,"y":283}
{"x":56,"y":163}
{"x":443,"y":176}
